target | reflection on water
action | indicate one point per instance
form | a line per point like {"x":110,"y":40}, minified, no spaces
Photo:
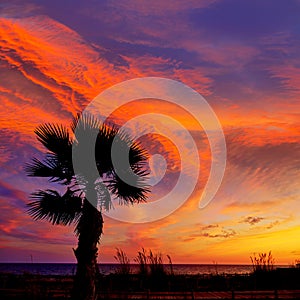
{"x":69,"y":269}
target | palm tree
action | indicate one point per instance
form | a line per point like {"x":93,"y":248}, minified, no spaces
{"x":89,"y":189}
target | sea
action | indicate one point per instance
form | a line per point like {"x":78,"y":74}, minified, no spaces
{"x":105,"y":269}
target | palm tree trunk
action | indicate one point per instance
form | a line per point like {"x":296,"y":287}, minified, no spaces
{"x":90,"y":229}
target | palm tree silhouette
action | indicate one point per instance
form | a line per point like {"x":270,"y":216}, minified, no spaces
{"x":89,"y":189}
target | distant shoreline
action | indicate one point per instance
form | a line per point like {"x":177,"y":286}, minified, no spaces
{"x":106,"y":269}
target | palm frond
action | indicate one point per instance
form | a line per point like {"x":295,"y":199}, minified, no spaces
{"x":84,"y":122}
{"x":124,"y":146}
{"x":135,"y":191}
{"x":55,"y":138}
{"x":138,"y":156}
{"x":58,"y":209}
{"x":106,"y":135}
{"x":85,"y":128}
{"x":88,"y":130}
{"x":57,"y":170}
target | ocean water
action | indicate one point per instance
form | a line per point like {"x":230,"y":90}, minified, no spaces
{"x":69,"y":269}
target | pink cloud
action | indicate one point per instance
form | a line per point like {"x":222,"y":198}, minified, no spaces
{"x":146,"y":8}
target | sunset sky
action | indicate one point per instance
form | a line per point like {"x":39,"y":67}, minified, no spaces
{"x":242,"y":56}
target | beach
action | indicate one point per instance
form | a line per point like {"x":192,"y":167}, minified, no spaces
{"x":281,"y":283}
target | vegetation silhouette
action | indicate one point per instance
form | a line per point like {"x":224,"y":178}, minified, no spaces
{"x":152,"y":272}
{"x":262,"y":262}
{"x":124,"y":262}
{"x":87,"y":190}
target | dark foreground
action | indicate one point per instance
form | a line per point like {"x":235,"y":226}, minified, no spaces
{"x":279,"y":284}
